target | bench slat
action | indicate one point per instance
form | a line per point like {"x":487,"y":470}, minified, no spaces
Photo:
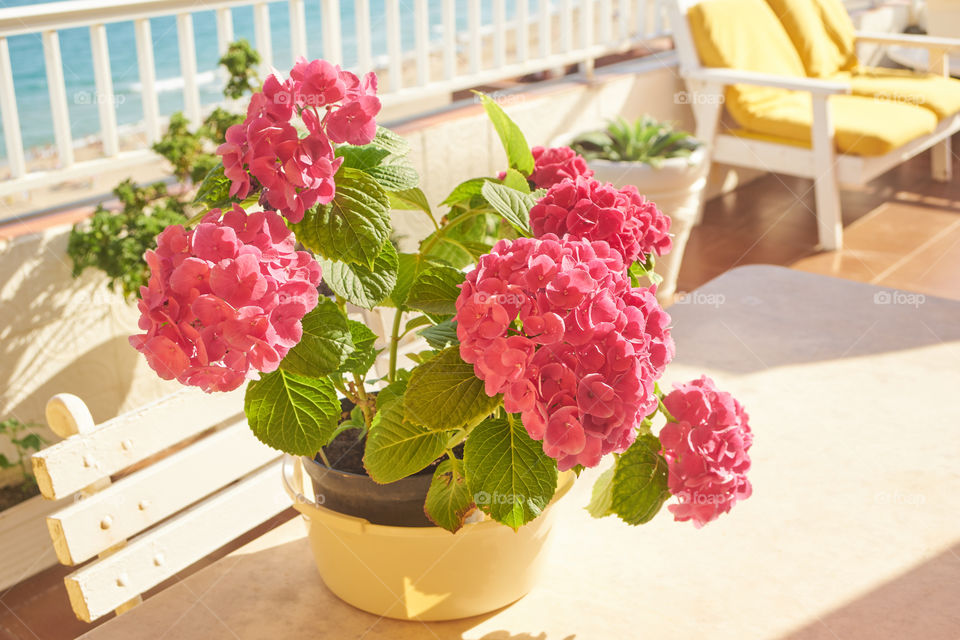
{"x":132,"y":504}
{"x":99,"y":587}
{"x":81,"y":460}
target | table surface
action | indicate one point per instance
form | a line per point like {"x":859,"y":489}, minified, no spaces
{"x":852,"y":531}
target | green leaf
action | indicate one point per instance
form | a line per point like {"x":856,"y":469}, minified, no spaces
{"x":514,"y":143}
{"x":449,"y":500}
{"x":510,"y":476}
{"x":390,"y":141}
{"x":640,"y":481}
{"x":352,"y":228}
{"x":444,"y":393}
{"x":435,"y":290}
{"x":441,"y":335}
{"x":391,"y":393}
{"x":5,"y":462}
{"x":408,"y":199}
{"x":214,"y":191}
{"x":513,"y":205}
{"x":397,"y":448}
{"x":397,"y":176}
{"x":363,"y":158}
{"x":465,"y":190}
{"x":516,"y":180}
{"x":293,"y":413}
{"x":325,"y":344}
{"x":362,"y":286}
{"x":364,"y":354}
{"x":640,"y":270}
{"x":415,"y":322}
{"x":601,"y":500}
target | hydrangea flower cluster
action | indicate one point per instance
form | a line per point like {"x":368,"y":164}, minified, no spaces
{"x":224,"y":299}
{"x":297,"y":173}
{"x":556,"y":164}
{"x":581,"y":364}
{"x":588,"y":209}
{"x":706,"y":451}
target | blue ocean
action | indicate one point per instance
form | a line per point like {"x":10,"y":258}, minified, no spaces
{"x":30,"y":81}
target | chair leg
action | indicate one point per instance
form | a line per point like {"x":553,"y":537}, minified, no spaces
{"x":829,"y":218}
{"x":706,"y":110}
{"x":826,"y":185}
{"x":942,"y":161}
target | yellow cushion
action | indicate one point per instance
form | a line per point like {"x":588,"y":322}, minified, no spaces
{"x":864,"y":126}
{"x":822,"y":33}
{"x":936,"y":93}
{"x":746,"y":35}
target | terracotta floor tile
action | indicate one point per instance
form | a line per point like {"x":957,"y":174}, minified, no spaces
{"x":935,"y":270}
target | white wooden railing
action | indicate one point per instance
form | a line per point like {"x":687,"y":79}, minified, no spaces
{"x":452,"y":61}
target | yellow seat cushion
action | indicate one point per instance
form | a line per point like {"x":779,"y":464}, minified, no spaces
{"x":863,"y":126}
{"x":936,"y":93}
{"x":821,"y":32}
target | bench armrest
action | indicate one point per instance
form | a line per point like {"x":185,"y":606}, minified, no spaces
{"x":910,"y":40}
{"x":726,"y":76}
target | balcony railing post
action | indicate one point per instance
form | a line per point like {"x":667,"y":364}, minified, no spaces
{"x":224,"y":29}
{"x":8,"y":110}
{"x":104,"y":95}
{"x":364,"y":37}
{"x":449,"y":39}
{"x":298,"y":29}
{"x":188,"y":68}
{"x":148,"y":78}
{"x":394,"y":45}
{"x":332,"y":47}
{"x":421,"y":28}
{"x":261,"y":33}
{"x":58,"y":97}
{"x":476,"y":44}
{"x":523,"y":30}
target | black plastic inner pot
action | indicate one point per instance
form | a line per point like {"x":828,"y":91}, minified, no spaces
{"x":346,"y":488}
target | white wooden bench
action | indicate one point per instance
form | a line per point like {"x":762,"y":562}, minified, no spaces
{"x":201,"y":479}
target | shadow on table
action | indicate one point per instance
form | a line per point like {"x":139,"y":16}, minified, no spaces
{"x":921,"y":603}
{"x":760,"y":316}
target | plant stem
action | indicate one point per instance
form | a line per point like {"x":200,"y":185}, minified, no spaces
{"x":342,"y":388}
{"x":440,"y":233}
{"x":323,"y":457}
{"x":363,"y":403}
{"x":394,"y":343}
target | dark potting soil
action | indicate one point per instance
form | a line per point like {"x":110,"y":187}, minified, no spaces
{"x":345,"y":452}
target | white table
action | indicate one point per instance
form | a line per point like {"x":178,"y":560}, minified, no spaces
{"x":853,"y":530}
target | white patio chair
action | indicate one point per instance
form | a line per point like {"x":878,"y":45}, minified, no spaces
{"x":817,"y":157}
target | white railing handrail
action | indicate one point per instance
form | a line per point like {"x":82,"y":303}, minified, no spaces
{"x":82,"y":13}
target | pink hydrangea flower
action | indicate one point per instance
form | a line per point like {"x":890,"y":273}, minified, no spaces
{"x":587,"y":209}
{"x":706,"y":448}
{"x":556,"y":164}
{"x":225,"y":299}
{"x":266,"y":149}
{"x":554,"y":326}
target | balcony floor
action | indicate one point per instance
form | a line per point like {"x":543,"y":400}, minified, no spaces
{"x":901,"y":230}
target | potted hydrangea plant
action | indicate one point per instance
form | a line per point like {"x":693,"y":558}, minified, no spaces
{"x":431,"y":483}
{"x":667,"y":166}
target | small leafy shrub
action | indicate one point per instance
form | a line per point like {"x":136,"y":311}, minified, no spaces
{"x":646,"y":140}
{"x":25,"y":442}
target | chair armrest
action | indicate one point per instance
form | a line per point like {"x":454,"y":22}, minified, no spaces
{"x":910,"y":40}
{"x":726,"y":76}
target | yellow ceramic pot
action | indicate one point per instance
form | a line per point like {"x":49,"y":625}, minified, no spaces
{"x":423,"y":573}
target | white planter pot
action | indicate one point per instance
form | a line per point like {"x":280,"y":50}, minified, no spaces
{"x":677,"y":189}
